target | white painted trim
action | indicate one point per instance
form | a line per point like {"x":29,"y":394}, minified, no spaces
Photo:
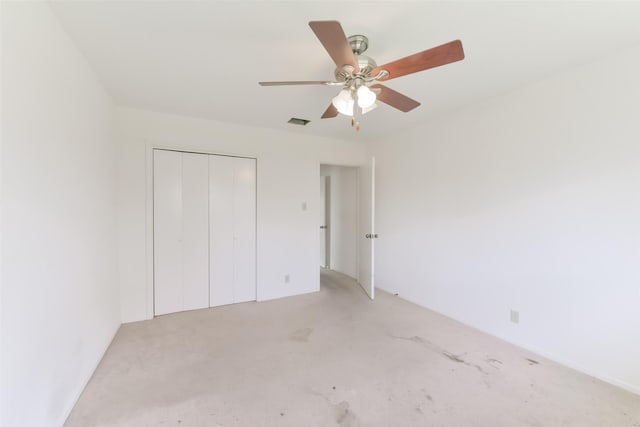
{"x":255,"y":249}
{"x":373,"y":227}
{"x":149,"y":309}
{"x":149,"y":147}
{"x":317,"y":221}
{"x":358,"y":224}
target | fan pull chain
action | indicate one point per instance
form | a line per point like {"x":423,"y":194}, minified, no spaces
{"x":355,"y":123}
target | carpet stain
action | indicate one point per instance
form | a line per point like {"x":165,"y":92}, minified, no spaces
{"x":453,"y":357}
{"x":301,"y":335}
{"x":341,"y":411}
{"x":457,"y":358}
{"x":494,"y":363}
{"x":344,"y":417}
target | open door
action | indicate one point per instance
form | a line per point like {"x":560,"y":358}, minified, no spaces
{"x":366,"y":184}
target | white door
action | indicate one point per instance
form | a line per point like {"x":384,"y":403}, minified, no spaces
{"x":324,"y":256}
{"x":195,"y":226}
{"x":167,"y":231}
{"x":232,"y":230}
{"x":180,"y":241}
{"x":221,"y":269}
{"x":366,"y":179}
{"x":244,"y":230}
{"x":204,"y":231}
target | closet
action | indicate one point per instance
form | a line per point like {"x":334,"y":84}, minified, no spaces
{"x":204,"y":230}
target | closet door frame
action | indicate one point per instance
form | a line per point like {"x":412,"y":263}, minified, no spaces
{"x":149,"y":238}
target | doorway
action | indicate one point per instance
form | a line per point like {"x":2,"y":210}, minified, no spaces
{"x":347,"y":222}
{"x":325,"y":217}
{"x":339,"y":219}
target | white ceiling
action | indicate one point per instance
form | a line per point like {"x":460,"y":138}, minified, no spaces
{"x":204,"y":59}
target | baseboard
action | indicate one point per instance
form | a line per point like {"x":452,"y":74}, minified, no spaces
{"x":78,"y":393}
{"x":295,"y":294}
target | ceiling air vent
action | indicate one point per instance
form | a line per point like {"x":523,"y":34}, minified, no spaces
{"x":297,"y":121}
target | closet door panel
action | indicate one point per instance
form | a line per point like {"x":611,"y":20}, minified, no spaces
{"x":244,"y":225}
{"x":221,"y":215}
{"x":195,"y":230}
{"x":167,"y":224}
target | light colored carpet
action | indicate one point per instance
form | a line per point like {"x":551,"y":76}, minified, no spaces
{"x":335,"y":358}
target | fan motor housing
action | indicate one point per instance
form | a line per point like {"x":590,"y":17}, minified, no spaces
{"x":365,"y":63}
{"x":359,"y":45}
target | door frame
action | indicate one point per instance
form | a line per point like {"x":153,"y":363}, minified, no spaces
{"x":150,"y":146}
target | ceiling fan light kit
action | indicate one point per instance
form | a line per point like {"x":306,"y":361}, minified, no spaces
{"x":358,"y":74}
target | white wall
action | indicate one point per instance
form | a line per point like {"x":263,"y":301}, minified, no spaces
{"x":60,"y":303}
{"x":343,"y":219}
{"x":287,"y":164}
{"x":529,"y":201}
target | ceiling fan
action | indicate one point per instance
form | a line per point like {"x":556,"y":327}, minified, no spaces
{"x":360,"y":76}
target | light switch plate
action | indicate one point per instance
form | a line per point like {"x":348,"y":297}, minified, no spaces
{"x":515,"y":316}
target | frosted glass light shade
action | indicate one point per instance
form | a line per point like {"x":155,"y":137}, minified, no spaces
{"x":344,"y":102}
{"x":366,"y":97}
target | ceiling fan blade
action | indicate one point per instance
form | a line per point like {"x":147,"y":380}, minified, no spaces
{"x":395,"y":99}
{"x":332,"y":37}
{"x":431,"y":58}
{"x":330,"y":112}
{"x":302,"y":82}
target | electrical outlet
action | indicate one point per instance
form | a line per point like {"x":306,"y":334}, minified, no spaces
{"x":287,"y":278}
{"x":515,"y":316}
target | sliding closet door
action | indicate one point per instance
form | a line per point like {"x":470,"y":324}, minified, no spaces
{"x":181,"y":231}
{"x":195,"y":231}
{"x":167,"y":231}
{"x":244,"y":228}
{"x":221,"y":214}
